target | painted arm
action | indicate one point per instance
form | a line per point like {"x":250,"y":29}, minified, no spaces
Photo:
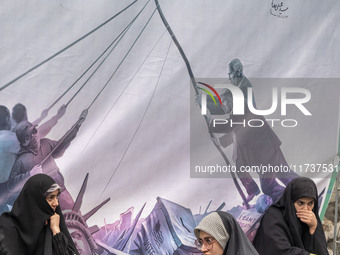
{"x":66,"y":140}
{"x":45,"y":128}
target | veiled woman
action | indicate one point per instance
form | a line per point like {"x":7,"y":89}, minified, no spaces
{"x":35,"y":225}
{"x":219,"y":234}
{"x":292,"y":225}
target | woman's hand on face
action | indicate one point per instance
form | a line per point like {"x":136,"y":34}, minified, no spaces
{"x":309,"y":218}
{"x":54,"y":223}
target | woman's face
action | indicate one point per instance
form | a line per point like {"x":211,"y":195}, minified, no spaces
{"x":304,"y":204}
{"x":209,"y":244}
{"x":52,"y":199}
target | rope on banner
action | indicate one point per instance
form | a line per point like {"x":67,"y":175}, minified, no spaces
{"x":66,"y":48}
{"x":193,"y":81}
{"x":140,"y":123}
{"x":121,"y":62}
{"x":88,"y":108}
{"x":120,"y":36}
{"x":132,"y":78}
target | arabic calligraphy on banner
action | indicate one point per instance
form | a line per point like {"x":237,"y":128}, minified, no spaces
{"x":279,"y":9}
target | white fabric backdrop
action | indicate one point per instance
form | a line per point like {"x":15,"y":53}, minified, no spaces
{"x":137,"y":133}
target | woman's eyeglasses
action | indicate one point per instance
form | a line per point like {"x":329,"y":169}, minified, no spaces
{"x":207,"y":242}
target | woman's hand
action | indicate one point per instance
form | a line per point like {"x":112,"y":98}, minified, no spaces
{"x":54,"y":223}
{"x":309,"y":218}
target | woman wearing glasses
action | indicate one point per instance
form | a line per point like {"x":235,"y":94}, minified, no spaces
{"x":219,"y":234}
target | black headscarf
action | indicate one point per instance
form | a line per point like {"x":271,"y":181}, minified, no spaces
{"x":238,"y":243}
{"x":227,"y":232}
{"x":24,"y":227}
{"x":282,"y":215}
{"x":298,"y":188}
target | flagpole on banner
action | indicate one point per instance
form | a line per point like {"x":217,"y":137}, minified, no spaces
{"x":337,"y":189}
{"x":336,"y":209}
{"x":193,"y":81}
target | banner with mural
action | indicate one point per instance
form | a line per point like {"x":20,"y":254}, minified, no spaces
{"x":152,"y":114}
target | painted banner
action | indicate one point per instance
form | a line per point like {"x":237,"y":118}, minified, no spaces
{"x":152,"y":114}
